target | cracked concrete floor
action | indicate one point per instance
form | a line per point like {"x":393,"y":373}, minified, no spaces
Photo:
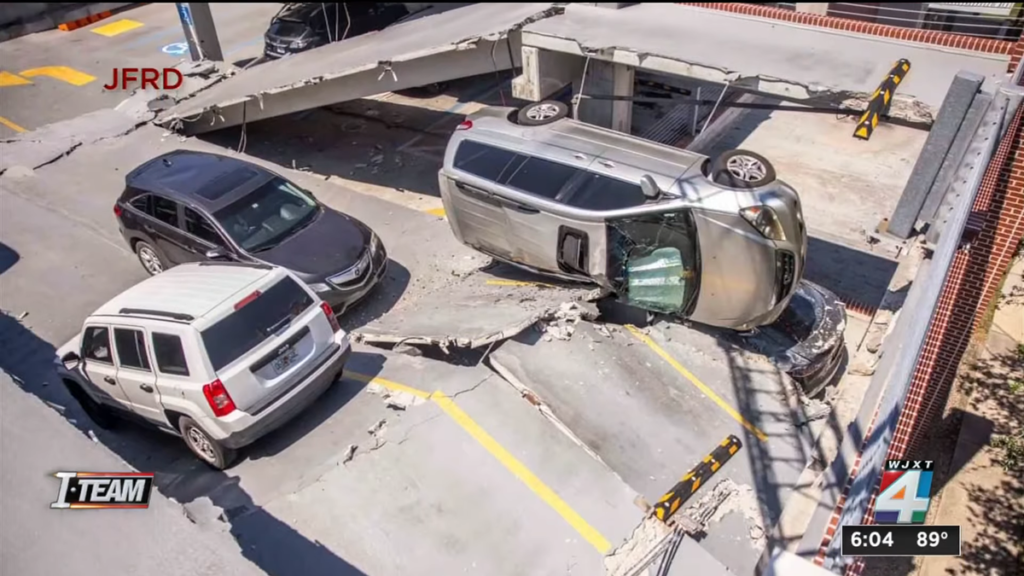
{"x":480,"y":482}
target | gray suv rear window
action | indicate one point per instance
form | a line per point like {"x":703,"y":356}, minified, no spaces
{"x":251,"y":325}
{"x":598,"y":192}
{"x":482,"y":160}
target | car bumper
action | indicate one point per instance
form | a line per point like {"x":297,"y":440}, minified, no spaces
{"x":341,"y":299}
{"x":295,"y":402}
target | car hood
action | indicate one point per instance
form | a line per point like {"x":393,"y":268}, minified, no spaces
{"x":332,"y":243}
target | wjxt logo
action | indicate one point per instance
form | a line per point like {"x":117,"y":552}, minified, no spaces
{"x":104,"y":490}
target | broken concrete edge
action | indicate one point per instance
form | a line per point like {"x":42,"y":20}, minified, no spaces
{"x":904,"y":108}
{"x":530,"y":396}
{"x":383,"y":65}
{"x":50,"y":143}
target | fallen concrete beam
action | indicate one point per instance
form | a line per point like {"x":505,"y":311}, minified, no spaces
{"x":771,"y":57}
{"x":458,"y":43}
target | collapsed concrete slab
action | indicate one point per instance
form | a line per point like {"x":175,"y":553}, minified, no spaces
{"x":468,"y":41}
{"x":436,"y":290}
{"x":773,"y":57}
{"x":651,"y":403}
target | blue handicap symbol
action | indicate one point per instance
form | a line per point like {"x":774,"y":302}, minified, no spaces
{"x":176,"y":49}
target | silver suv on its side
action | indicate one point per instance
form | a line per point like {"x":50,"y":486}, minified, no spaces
{"x":721,"y":242}
{"x":218,"y":353}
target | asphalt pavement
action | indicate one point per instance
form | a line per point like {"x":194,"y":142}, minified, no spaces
{"x":56,"y":75}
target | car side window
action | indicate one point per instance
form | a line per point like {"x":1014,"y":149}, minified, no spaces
{"x":200,"y":227}
{"x":165,"y":211}
{"x":96,"y":344}
{"x":601,"y":193}
{"x":482,"y":160}
{"x":131,"y":349}
{"x":169,"y":354}
{"x":142,"y":203}
{"x":542,"y":177}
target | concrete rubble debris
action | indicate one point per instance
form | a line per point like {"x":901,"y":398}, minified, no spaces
{"x":563,"y":323}
{"x":645,"y":540}
{"x":728,"y":497}
{"x":350,"y":453}
{"x":396,"y":400}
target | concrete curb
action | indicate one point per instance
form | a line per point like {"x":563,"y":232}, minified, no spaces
{"x":56,"y":17}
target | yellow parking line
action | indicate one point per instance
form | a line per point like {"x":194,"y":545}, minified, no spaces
{"x":11,"y":125}
{"x":693,"y":380}
{"x":69,"y":75}
{"x":8,"y":79}
{"x":436,"y":212}
{"x":387,"y":384}
{"x":589,"y":533}
{"x":115,"y":28}
{"x":516,"y":283}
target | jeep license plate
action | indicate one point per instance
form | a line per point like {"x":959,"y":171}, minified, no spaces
{"x":285,"y":361}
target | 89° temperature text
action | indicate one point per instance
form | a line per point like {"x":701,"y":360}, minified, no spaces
{"x":900,"y":540}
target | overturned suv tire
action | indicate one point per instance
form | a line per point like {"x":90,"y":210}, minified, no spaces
{"x":742,"y":169}
{"x":541,"y":113}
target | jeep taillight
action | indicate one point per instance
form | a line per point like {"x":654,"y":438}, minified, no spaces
{"x":218,"y":398}
{"x":330,"y":316}
{"x":117,"y":210}
{"x":465,"y":125}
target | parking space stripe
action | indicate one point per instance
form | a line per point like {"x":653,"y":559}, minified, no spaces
{"x":11,"y":125}
{"x":518,"y":469}
{"x":517,"y":283}
{"x":696,"y":382}
{"x":589,"y":533}
{"x":436,"y":212}
{"x":118,"y":27}
{"x":387,"y":384}
{"x":64,"y":73}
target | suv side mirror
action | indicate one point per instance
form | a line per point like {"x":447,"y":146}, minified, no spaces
{"x":71,"y":360}
{"x":218,"y":254}
{"x":649,"y":187}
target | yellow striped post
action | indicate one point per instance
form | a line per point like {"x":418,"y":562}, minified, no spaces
{"x":881,"y":100}
{"x":699,"y":475}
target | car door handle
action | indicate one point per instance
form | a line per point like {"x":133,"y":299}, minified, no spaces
{"x":146,"y":387}
{"x":109,"y":380}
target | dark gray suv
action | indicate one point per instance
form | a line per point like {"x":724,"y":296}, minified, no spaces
{"x":187,"y":206}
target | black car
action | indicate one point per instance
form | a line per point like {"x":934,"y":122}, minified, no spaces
{"x":303,"y":26}
{"x":187,"y":206}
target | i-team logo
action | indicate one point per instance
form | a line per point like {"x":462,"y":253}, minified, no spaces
{"x":103,"y":490}
{"x":905,"y":492}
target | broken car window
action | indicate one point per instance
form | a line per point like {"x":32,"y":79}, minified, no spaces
{"x":653,"y":261}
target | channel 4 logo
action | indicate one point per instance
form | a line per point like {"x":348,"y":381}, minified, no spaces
{"x":905,"y":493}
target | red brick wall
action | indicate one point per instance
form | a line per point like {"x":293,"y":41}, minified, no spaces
{"x":987,"y":45}
{"x":970,"y":286}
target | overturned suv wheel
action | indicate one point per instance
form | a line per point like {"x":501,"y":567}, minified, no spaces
{"x":541,"y":113}
{"x":742,"y":169}
{"x":202,"y":445}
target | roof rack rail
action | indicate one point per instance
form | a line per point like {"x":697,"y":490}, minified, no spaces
{"x":145,"y":312}
{"x":241,"y":264}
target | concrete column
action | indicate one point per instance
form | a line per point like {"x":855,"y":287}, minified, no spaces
{"x":820,"y":8}
{"x":544,"y":73}
{"x":200,"y":31}
{"x":606,"y":79}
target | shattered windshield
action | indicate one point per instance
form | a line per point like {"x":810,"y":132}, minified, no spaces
{"x":654,"y":263}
